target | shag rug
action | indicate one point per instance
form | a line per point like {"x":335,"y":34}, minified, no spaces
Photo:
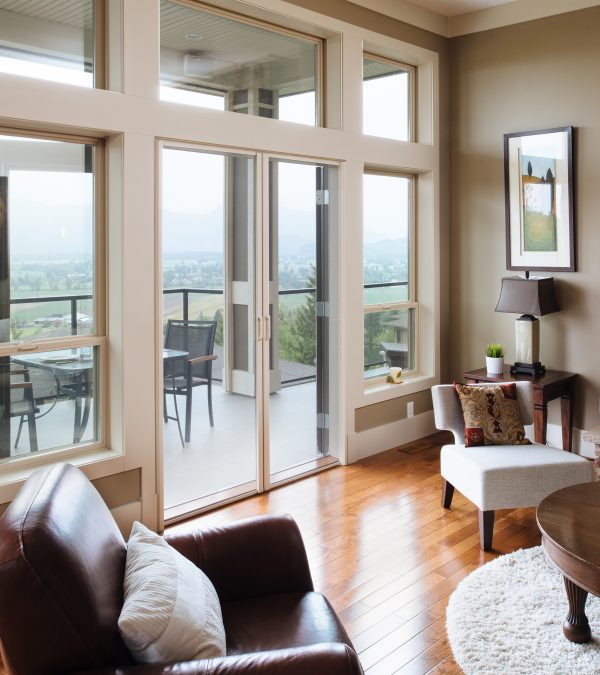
{"x":506,"y":617}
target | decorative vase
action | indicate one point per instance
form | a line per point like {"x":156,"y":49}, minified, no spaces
{"x":494,"y":366}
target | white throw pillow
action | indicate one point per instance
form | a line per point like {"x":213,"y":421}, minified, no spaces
{"x":171,"y":610}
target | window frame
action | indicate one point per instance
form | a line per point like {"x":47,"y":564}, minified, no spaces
{"x":320,"y":43}
{"x":412,"y":301}
{"x":98,"y":338}
{"x":412,"y":92}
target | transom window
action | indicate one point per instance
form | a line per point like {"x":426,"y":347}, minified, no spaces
{"x":390,"y":310}
{"x":212,"y":59}
{"x":388,"y":98}
{"x":51,"y":40}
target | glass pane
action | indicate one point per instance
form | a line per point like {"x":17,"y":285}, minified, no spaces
{"x":209,"y":435}
{"x":218,"y":62}
{"x":386,"y":99}
{"x":46,"y":239}
{"x":389,"y":341}
{"x":52,"y":400}
{"x":50,"y":40}
{"x":299,"y":365}
{"x":386,"y":238}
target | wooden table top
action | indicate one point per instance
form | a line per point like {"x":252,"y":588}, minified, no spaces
{"x":547,"y":378}
{"x":570,"y":519}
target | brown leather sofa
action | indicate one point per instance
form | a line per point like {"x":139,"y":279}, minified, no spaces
{"x":62,"y":561}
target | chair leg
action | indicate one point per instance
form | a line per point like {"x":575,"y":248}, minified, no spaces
{"x":447,"y":493}
{"x":188,"y":414}
{"x":33,"y":443}
{"x":210,"y":412}
{"x":177,"y":417}
{"x":19,"y":431}
{"x":165,"y":417}
{"x":486,"y":529}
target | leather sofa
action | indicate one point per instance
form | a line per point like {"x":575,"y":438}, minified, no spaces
{"x":62,"y":561}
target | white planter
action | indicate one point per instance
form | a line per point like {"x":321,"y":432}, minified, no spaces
{"x":494,"y":366}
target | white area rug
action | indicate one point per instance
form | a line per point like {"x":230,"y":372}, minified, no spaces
{"x":507,"y":616}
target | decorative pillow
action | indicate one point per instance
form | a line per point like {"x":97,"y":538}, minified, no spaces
{"x":171,"y":610}
{"x":492,"y":415}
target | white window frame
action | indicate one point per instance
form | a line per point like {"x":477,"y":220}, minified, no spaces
{"x":411,"y":302}
{"x":97,"y":339}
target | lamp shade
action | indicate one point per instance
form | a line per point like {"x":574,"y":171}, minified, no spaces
{"x":534,"y":297}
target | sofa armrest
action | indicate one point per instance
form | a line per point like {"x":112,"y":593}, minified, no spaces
{"x":248,"y":558}
{"x":333,"y":659}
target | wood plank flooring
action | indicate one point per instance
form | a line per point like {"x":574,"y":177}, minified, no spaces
{"x":384,"y":551}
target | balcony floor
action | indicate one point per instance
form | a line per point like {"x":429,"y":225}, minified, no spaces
{"x":225,"y":455}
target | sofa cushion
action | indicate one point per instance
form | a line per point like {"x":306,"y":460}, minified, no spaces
{"x":491,"y":414}
{"x":171,"y":610}
{"x":511,"y":476}
{"x":281,"y":621}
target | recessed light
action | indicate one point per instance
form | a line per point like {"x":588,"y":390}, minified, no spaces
{"x":193,"y":36}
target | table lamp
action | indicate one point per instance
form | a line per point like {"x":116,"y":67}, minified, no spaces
{"x":529,"y":297}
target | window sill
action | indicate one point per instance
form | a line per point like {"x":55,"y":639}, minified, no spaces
{"x":379,"y":390}
{"x":94,"y":462}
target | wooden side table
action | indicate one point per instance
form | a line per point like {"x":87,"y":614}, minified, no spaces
{"x":552,"y":384}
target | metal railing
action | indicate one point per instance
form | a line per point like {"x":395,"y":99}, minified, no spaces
{"x":185,"y":292}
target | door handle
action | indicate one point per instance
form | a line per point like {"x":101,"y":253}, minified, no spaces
{"x":259,"y":335}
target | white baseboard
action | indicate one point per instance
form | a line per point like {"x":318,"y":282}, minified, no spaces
{"x":554,"y":438}
{"x":387,"y":436}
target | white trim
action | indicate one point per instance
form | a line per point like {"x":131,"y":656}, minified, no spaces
{"x":511,"y":13}
{"x":411,"y":13}
{"x":554,"y":438}
{"x":387,"y":436}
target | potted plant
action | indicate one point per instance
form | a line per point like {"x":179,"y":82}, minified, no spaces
{"x":494,"y":358}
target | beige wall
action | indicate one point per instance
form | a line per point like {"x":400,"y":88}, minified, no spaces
{"x":535,"y":75}
{"x":395,"y":409}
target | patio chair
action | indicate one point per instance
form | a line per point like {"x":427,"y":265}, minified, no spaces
{"x":46,"y":390}
{"x":22,"y":404}
{"x":182,"y":375}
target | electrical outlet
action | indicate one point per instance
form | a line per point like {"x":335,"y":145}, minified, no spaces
{"x":410,"y":409}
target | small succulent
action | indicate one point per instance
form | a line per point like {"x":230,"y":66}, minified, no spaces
{"x":494,"y":350}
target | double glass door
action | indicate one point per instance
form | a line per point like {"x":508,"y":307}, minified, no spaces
{"x":246,"y":264}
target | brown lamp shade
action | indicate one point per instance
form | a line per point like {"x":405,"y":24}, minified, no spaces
{"x":527,"y":296}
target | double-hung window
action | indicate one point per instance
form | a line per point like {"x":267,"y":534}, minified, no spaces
{"x":390,"y":307}
{"x":52,"y":328}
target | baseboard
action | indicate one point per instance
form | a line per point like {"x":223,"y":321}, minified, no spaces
{"x":554,"y":438}
{"x":387,"y":436}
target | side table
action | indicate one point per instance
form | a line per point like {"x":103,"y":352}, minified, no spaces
{"x":552,"y":384}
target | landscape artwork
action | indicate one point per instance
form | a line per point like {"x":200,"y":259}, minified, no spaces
{"x":538,"y":180}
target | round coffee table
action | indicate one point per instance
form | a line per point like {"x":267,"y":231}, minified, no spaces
{"x":569,"y":520}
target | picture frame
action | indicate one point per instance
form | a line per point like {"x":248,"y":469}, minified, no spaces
{"x":538,"y":176}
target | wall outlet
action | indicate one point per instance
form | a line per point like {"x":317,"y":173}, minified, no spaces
{"x":410,"y":409}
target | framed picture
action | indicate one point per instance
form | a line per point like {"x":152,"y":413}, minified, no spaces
{"x":538,"y":174}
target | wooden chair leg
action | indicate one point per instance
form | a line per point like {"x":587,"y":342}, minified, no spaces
{"x":447,"y":493}
{"x":486,"y":529}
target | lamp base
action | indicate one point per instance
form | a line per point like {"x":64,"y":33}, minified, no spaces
{"x":533,"y":369}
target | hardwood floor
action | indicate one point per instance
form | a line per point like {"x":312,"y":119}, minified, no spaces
{"x":385,"y":552}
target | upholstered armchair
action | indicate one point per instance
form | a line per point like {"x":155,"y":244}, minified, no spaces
{"x":62,"y":561}
{"x":500,"y":476}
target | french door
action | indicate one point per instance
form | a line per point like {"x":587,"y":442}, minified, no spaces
{"x":246,"y":255}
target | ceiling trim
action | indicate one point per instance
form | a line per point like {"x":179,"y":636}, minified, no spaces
{"x":489,"y":18}
{"x":410,"y":13}
{"x":511,"y":13}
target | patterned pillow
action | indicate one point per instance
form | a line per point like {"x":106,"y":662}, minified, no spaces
{"x":492,"y":415}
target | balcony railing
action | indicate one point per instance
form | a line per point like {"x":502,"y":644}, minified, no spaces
{"x":185,"y":292}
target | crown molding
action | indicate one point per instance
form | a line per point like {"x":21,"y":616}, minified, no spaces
{"x":480,"y":20}
{"x":409,"y":13}
{"x":512,"y":13}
